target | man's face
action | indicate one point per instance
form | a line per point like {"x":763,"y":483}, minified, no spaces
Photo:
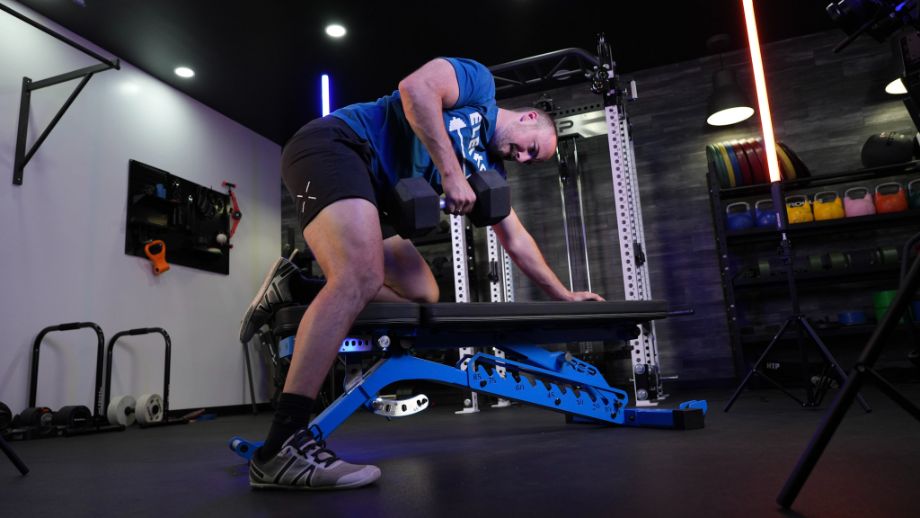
{"x":524,"y":140}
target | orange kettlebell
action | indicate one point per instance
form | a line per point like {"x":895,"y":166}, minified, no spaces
{"x":890,"y":197}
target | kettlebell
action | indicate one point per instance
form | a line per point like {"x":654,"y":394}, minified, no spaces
{"x":890,"y":197}
{"x":738,"y":216}
{"x":798,"y":209}
{"x":857,"y":202}
{"x":828,"y":205}
{"x":913,"y":194}
{"x":764,"y":214}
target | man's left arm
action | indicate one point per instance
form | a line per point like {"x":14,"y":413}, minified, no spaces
{"x":525,"y":253}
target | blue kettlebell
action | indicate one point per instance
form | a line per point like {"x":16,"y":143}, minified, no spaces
{"x":738,"y":216}
{"x":764,"y":214}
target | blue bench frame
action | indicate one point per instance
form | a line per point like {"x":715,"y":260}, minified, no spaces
{"x":552,"y":380}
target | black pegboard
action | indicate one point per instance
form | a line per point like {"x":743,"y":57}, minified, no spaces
{"x":186,"y":216}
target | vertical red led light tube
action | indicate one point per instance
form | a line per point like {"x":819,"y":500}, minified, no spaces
{"x":760,"y":81}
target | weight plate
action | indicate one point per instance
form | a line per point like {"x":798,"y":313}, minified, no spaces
{"x":149,"y":409}
{"x":890,"y":255}
{"x":719,"y":166}
{"x":763,"y":267}
{"x":815,"y":263}
{"x":121,"y":410}
{"x":863,"y":258}
{"x":785,"y":163}
{"x":711,"y":163}
{"x":746,"y":172}
{"x":758,"y":149}
{"x":756,"y":169}
{"x":837,"y":260}
{"x":38,"y":418}
{"x":730,"y":173}
{"x":801,"y":170}
{"x":736,"y":165}
{"x":73,"y":417}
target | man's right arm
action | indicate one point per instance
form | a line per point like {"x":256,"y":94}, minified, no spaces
{"x":425,"y":94}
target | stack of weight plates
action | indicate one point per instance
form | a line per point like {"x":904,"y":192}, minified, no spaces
{"x":743,"y":162}
{"x":146,"y":410}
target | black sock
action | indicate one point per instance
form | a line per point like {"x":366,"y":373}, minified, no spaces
{"x":293,"y":414}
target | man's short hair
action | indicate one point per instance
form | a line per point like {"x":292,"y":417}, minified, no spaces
{"x":545,"y":120}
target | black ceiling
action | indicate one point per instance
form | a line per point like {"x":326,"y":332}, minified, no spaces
{"x":259,"y":62}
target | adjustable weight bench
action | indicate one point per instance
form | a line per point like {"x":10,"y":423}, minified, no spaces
{"x":528,"y":374}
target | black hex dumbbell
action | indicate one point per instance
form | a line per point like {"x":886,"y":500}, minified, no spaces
{"x":416,"y":208}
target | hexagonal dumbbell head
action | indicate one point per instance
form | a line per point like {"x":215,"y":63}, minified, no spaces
{"x":414,"y":210}
{"x":493,"y":198}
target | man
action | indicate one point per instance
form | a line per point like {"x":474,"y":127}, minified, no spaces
{"x":441,"y":124}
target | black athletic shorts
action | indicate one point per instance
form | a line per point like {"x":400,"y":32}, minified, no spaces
{"x":326,"y":161}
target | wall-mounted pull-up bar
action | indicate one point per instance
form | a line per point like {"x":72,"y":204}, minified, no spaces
{"x":28,"y":86}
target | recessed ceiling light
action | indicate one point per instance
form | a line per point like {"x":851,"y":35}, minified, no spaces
{"x":185,"y":72}
{"x":335,"y":30}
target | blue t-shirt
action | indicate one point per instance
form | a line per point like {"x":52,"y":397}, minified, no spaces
{"x":398,"y":153}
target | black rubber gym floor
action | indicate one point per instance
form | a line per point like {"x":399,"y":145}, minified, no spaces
{"x":520,"y":461}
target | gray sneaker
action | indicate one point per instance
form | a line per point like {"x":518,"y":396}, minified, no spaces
{"x":275,"y":291}
{"x":304,"y":463}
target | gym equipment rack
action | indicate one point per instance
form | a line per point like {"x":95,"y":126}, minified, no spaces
{"x":99,"y":422}
{"x":550,"y":70}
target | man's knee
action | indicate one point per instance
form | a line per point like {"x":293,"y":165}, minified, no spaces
{"x":361,"y":284}
{"x":429,"y":294}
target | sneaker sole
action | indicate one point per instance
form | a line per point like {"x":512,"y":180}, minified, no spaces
{"x":270,"y":486}
{"x":254,"y":305}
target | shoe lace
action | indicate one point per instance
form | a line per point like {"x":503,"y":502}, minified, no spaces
{"x":318,"y":451}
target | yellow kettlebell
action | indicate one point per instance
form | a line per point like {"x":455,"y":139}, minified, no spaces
{"x":828,"y":205}
{"x":798,"y":209}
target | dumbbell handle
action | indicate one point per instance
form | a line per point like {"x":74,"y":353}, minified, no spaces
{"x":414,"y":211}
{"x":442,"y":204}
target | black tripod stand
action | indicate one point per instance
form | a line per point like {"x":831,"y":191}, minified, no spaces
{"x":798,"y":321}
{"x":8,"y":450}
{"x":862,"y":370}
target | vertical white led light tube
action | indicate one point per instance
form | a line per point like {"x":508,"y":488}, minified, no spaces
{"x":325,"y":89}
{"x":763,"y":101}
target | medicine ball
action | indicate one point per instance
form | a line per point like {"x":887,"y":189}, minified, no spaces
{"x":887,"y":148}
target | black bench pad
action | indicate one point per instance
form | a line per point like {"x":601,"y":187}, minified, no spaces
{"x":486,"y":316}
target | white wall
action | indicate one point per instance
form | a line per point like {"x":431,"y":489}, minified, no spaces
{"x":62,"y":232}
